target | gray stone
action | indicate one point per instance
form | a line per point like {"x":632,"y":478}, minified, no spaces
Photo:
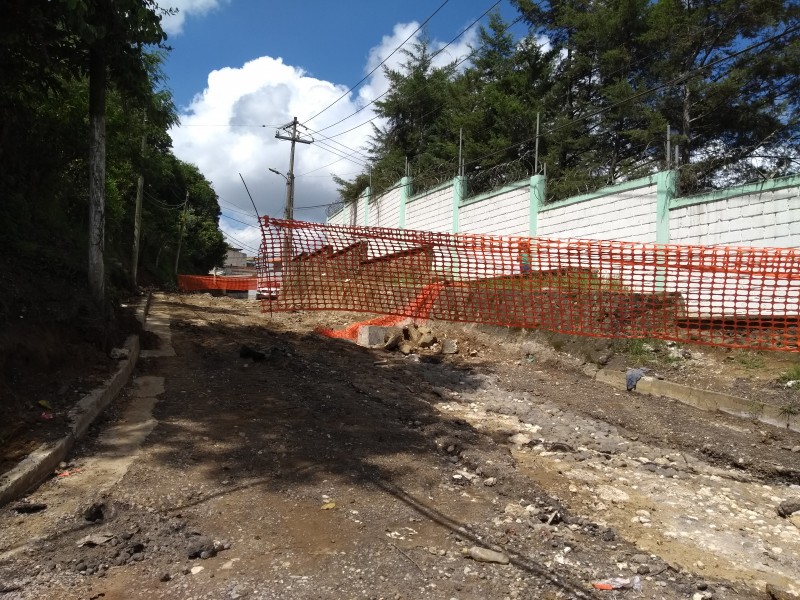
{"x":789,"y":507}
{"x":197,"y":546}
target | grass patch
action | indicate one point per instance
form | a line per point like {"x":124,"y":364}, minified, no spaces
{"x":640,"y":349}
{"x":749,"y":360}
{"x":792,"y":374}
{"x":575,"y":280}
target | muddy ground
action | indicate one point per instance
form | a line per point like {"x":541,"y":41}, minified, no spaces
{"x":327,"y":470}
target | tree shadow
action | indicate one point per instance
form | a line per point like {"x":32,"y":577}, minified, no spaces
{"x":313,"y":407}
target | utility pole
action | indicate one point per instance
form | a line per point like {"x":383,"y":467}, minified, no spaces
{"x":137,"y":219}
{"x":288,"y":212}
{"x":180,"y":237}
{"x":294,"y":138}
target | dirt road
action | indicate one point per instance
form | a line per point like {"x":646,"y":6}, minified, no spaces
{"x":327,"y":470}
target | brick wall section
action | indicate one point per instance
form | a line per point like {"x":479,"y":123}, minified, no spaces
{"x":501,"y":214}
{"x":770,"y":218}
{"x":625,"y":216}
{"x":432,"y":211}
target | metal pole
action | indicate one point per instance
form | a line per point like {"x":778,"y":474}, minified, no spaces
{"x":536,"y":150}
{"x":180,"y":237}
{"x":460,"y":146}
{"x":669,"y":152}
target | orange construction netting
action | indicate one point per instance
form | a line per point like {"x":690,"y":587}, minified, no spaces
{"x":737,"y":297}
{"x":199,"y":283}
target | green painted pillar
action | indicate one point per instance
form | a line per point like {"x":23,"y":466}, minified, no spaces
{"x":666,"y":190}
{"x":536,"y":201}
{"x":459,"y":192}
{"x":367,"y":196}
{"x":405,"y":189}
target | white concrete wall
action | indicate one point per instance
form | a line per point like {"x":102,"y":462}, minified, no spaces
{"x":384,"y":211}
{"x":762,"y":219}
{"x":342,"y":217}
{"x":502,"y":214}
{"x":627,"y":216}
{"x":432,"y":211}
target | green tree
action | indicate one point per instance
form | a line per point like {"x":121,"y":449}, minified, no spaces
{"x":496,"y":101}
{"x":731,"y":109}
{"x":599,"y":127}
{"x":418,"y":128}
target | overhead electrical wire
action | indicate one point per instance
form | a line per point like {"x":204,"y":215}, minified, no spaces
{"x":434,"y":55}
{"x":242,"y":244}
{"x":671,"y":82}
{"x":238,"y":210}
{"x":363,"y":79}
{"x":331,"y":138}
{"x":674,"y":81}
{"x":242,"y":222}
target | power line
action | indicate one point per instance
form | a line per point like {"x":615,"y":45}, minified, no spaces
{"x":242,"y":244}
{"x":675,"y":80}
{"x":380,"y":64}
{"x":242,"y":222}
{"x":434,"y":55}
{"x":238,"y":210}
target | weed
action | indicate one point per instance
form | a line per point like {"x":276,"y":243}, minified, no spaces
{"x":638,"y":349}
{"x":749,"y":360}
{"x":789,"y":410}
{"x":756,"y":410}
{"x":793,"y":374}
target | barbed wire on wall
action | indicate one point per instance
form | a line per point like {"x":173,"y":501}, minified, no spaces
{"x":334,"y":208}
{"x":480,"y":181}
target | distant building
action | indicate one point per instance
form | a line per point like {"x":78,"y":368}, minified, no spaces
{"x":234,"y":257}
{"x":237,"y":264}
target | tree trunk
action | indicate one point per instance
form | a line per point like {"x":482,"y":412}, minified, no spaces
{"x":97,"y":174}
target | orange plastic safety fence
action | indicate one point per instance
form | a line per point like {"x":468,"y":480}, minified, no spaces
{"x":198,"y":283}
{"x":737,"y":297}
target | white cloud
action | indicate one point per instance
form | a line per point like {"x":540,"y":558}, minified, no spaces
{"x":173,"y":24}
{"x":377,"y":84}
{"x":229,"y":128}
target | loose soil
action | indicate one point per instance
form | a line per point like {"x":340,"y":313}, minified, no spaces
{"x":327,"y":470}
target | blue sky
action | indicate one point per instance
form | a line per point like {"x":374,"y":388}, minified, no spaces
{"x":239,"y":68}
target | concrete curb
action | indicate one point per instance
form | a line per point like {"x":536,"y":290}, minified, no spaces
{"x":40,"y":463}
{"x":702,"y":399}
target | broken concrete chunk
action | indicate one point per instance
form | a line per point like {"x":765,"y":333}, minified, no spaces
{"x":393,"y":339}
{"x":485,"y":555}
{"x":407,"y":347}
{"x":449,"y":346}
